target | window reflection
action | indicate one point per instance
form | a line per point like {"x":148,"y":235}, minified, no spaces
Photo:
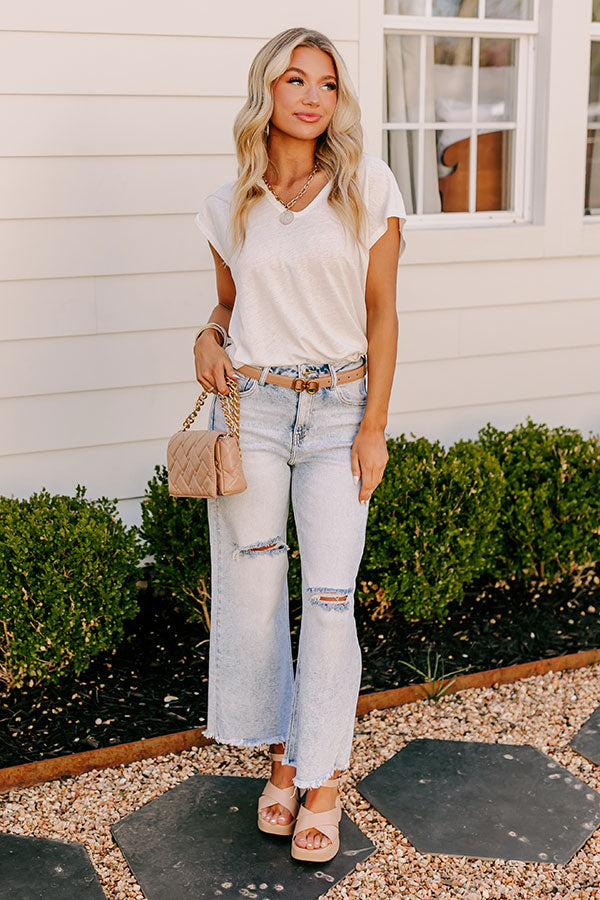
{"x":404,"y":7}
{"x":494,"y":9}
{"x":440,"y":150}
{"x":455,"y":8}
{"x":508,"y":9}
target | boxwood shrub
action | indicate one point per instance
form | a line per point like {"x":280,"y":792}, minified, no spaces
{"x":67,"y":582}
{"x":549,"y":522}
{"x":174,"y":531}
{"x":431,"y":525}
{"x":520,"y":503}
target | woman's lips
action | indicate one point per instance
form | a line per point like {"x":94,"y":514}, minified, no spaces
{"x":308,"y":117}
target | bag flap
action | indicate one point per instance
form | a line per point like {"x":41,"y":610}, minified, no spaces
{"x":191,"y":463}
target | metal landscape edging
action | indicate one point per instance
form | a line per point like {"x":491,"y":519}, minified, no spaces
{"x":30,"y":774}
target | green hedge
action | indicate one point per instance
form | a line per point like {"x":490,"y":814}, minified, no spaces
{"x":549,"y":522}
{"x":175,"y":531}
{"x":67,"y":582}
{"x":521,"y":503}
{"x":431,"y":525}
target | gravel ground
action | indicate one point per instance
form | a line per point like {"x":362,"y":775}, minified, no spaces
{"x":545,"y":711}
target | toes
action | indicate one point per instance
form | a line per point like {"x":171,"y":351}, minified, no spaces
{"x":276,"y":814}
{"x":312,"y":839}
{"x":284,"y":816}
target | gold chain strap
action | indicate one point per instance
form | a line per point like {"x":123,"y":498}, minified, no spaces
{"x":231,"y":409}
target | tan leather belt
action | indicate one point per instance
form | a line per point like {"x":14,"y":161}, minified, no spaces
{"x":311,"y":385}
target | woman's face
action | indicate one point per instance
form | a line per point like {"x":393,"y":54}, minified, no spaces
{"x":304,"y":97}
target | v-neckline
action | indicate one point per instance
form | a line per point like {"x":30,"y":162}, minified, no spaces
{"x":281,"y":206}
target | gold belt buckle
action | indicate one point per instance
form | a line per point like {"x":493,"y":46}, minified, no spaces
{"x":305,"y":384}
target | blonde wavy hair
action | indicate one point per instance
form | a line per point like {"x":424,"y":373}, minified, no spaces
{"x":338,"y":150}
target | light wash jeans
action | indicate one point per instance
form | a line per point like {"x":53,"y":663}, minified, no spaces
{"x":298,"y":445}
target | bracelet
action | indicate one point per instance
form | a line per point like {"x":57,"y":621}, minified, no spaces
{"x":217,"y":327}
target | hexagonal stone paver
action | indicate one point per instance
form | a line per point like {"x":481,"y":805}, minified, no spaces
{"x":45,"y":869}
{"x":200,"y":839}
{"x":587,"y":739}
{"x":493,"y":801}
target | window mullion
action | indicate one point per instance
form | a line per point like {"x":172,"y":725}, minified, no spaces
{"x":523,"y":126}
{"x":473,"y":141}
{"x":421,"y":119}
{"x":460,"y":25}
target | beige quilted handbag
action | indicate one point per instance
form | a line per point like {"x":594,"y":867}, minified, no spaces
{"x":208,"y":463}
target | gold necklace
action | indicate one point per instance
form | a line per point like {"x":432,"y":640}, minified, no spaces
{"x":287,"y":215}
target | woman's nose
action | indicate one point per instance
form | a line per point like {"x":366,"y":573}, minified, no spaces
{"x":311,"y":95}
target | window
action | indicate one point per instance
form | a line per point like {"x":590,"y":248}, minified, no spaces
{"x":592,"y":169}
{"x":458,"y":77}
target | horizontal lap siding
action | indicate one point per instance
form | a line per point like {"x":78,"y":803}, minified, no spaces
{"x":115,"y":127}
{"x":260,"y":19}
{"x":127,"y":126}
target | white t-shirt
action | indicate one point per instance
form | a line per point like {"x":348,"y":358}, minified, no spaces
{"x":300,"y":288}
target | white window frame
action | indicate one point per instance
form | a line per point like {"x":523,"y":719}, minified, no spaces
{"x":551,"y":223}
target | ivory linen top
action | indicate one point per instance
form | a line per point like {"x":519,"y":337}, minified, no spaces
{"x":300,"y":288}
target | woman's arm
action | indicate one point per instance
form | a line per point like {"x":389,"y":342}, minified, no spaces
{"x":369,"y":450}
{"x":212,"y":362}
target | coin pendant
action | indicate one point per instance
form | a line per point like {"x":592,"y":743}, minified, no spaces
{"x":286,"y":217}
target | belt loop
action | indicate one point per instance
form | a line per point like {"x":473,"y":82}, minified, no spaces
{"x":333,"y":375}
{"x":263,"y":375}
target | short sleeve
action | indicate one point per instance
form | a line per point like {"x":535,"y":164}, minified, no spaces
{"x":384,"y":199}
{"x":213,"y":221}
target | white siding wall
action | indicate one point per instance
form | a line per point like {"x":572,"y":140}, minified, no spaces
{"x":115,"y":127}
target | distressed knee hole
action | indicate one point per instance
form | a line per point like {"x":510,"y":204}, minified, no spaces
{"x":269,"y":547}
{"x":330,"y":598}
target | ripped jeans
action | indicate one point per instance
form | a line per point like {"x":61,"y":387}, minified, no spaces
{"x":294,"y":446}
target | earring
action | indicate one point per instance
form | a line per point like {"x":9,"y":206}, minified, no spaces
{"x":268,"y":129}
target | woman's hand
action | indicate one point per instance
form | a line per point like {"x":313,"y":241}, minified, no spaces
{"x":369,"y":459}
{"x":212,"y":363}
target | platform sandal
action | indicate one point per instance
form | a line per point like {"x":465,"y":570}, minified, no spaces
{"x":328,"y":822}
{"x":287,"y":797}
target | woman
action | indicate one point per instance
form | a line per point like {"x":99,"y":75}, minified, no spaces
{"x":306,"y":244}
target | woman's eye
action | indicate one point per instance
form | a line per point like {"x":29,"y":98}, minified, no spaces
{"x":330,"y":85}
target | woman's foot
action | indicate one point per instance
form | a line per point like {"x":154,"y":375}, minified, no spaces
{"x":317,"y":800}
{"x":281,"y":776}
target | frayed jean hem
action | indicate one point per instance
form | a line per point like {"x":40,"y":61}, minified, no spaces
{"x":316,"y":782}
{"x":245,"y":742}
